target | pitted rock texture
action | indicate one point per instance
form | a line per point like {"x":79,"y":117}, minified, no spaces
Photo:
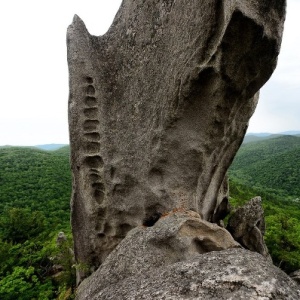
{"x":178,"y":236}
{"x":247,"y":226}
{"x":217,"y":275}
{"x":158,"y":107}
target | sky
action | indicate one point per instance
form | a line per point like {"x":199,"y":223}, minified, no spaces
{"x":34,"y":71}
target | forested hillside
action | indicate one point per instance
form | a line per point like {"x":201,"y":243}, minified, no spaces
{"x":270,"y":168}
{"x":37,"y":179}
{"x":282,"y":219}
{"x":272,"y":164}
{"x":35,"y":189}
{"x":249,"y":138}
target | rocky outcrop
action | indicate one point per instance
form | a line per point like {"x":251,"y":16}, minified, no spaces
{"x":61,"y":238}
{"x":247,"y":226}
{"x":178,"y":236}
{"x":158,"y":107}
{"x":296,"y":276}
{"x":223,"y":207}
{"x":230,"y":274}
{"x":185,"y":257}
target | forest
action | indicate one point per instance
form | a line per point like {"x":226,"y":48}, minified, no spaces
{"x":271,"y":165}
{"x":270,"y":168}
{"x":35,"y":189}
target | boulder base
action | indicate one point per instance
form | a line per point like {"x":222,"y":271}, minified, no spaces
{"x":247,"y":226}
{"x":177,"y":236}
{"x":168,"y":261}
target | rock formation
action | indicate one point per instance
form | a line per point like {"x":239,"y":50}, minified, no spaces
{"x":61,"y":238}
{"x":176,"y":237}
{"x":247,"y":226}
{"x":168,"y":261}
{"x":296,"y":276}
{"x":158,"y":107}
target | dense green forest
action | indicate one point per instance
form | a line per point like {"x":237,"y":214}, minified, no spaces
{"x":270,"y":168}
{"x":35,"y":189}
{"x":37,"y":179}
{"x":271,"y":164}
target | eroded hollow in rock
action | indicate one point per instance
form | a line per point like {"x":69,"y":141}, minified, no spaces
{"x":151,"y":220}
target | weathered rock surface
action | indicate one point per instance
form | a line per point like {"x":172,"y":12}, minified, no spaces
{"x":247,"y":226}
{"x":166,"y":262}
{"x":158,"y":107}
{"x":61,"y":238}
{"x":296,"y":276}
{"x":175,"y":237}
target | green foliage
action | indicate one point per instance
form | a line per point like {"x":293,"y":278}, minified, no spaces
{"x":63,"y":255}
{"x":36,"y":179}
{"x":19,"y":224}
{"x":282,"y":218}
{"x":22,"y":283}
{"x":35,"y":189}
{"x":272,"y":165}
{"x":283,"y":241}
{"x":23,"y":271}
{"x":271,"y":168}
{"x":27,"y":270}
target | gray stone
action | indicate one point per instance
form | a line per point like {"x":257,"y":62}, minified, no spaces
{"x":296,"y":276}
{"x":247,"y":226}
{"x":227,"y":274}
{"x":175,"y":237}
{"x":61,"y":238}
{"x":158,"y":107}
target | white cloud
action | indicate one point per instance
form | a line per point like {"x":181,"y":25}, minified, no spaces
{"x":279,"y":106}
{"x":34,"y":73}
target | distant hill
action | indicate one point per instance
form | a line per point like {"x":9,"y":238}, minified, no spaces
{"x":291,"y":132}
{"x":272,"y":163}
{"x":260,"y":134}
{"x":50,"y":147}
{"x":35,"y":178}
{"x":46,"y":147}
{"x":255,"y":137}
{"x":65,"y":150}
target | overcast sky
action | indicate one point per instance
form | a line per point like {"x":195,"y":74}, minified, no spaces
{"x":34,"y":73}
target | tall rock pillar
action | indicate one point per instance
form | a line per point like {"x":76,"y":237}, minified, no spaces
{"x":158,"y":107}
